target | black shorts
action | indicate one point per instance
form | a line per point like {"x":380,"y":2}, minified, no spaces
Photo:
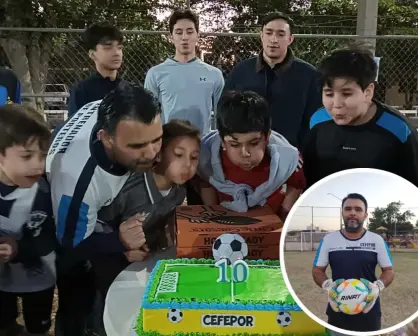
{"x":360,"y":322}
{"x":37,"y":308}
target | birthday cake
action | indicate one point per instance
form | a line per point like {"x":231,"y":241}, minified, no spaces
{"x":209,"y":297}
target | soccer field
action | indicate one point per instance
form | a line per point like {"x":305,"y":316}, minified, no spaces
{"x":399,"y":301}
{"x":200,"y":283}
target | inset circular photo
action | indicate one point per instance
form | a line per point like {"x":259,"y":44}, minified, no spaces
{"x":349,"y":252}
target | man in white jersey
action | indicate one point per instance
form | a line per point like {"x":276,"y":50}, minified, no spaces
{"x":88,"y":163}
{"x":187,"y":88}
{"x":353,"y":253}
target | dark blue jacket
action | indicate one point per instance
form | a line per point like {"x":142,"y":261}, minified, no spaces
{"x":9,"y":87}
{"x":291,"y":88}
{"x":91,"y":89}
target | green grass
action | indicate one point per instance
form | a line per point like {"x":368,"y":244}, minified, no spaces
{"x":199,"y":282}
{"x":398,"y":301}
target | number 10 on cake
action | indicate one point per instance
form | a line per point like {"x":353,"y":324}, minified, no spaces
{"x":229,"y":250}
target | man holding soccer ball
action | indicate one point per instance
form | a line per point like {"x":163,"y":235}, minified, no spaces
{"x":353,"y":253}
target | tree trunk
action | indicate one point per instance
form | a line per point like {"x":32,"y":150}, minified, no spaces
{"x":38,"y":54}
{"x":15,"y":50}
{"x":29,"y":57}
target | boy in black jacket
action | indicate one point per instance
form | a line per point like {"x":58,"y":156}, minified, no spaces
{"x":27,"y":229}
{"x":289,"y":84}
{"x":354,"y":130}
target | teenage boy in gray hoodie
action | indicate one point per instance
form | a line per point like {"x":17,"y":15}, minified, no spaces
{"x":244,"y":163}
{"x":186,"y":87}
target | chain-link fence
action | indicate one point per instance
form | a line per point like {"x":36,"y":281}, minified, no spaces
{"x":59,"y":55}
{"x":309,"y":224}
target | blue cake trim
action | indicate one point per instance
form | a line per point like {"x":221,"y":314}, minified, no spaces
{"x":208,"y":306}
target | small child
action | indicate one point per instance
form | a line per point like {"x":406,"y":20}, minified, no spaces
{"x":156,"y":193}
{"x":27,"y":229}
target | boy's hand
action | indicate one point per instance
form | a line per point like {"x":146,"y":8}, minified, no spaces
{"x":131,"y":233}
{"x":8,"y":249}
{"x":138,"y":255}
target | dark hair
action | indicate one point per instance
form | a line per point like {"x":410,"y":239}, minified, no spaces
{"x":277,"y":16}
{"x":242,"y":112}
{"x":175,"y":128}
{"x":355,"y":196}
{"x":127,"y":101}
{"x":100,"y":33}
{"x":183,"y":14}
{"x":352,"y":63}
{"x":21,"y":125}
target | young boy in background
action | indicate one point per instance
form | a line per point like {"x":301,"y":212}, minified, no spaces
{"x":104,"y":44}
{"x":244,"y":163}
{"x":27,"y":229}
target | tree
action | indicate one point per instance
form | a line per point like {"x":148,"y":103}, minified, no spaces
{"x":392,"y":218}
{"x":398,"y":63}
{"x":29,"y":52}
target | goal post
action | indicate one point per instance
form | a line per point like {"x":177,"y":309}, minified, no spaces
{"x":309,"y":241}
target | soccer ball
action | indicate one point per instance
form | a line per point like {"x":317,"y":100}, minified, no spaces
{"x":231,"y":247}
{"x":284,"y":319}
{"x":351,"y":296}
{"x":174,"y":315}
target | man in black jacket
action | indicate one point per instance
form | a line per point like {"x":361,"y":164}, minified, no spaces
{"x":288,"y":83}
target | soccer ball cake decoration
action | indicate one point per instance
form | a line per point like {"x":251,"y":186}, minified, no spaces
{"x":230,"y":249}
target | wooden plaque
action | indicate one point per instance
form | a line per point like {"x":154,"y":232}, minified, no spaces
{"x":271,"y":252}
{"x":198,"y":227}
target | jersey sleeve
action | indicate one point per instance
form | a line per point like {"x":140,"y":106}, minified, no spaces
{"x":408,"y":162}
{"x":322,"y":254}
{"x":219,"y":86}
{"x":151,"y":83}
{"x":76,"y":100}
{"x":297,"y":179}
{"x":313,"y":103}
{"x":384,"y":258}
{"x":38,"y":233}
{"x":309,"y":155}
{"x":76,"y":219}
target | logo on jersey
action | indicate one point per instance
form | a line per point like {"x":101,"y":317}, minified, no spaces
{"x":368,"y":245}
{"x":203,"y":79}
{"x":300,"y":164}
{"x":36,"y":219}
{"x":107,"y":202}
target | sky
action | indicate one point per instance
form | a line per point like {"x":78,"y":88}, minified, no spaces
{"x":379,"y":190}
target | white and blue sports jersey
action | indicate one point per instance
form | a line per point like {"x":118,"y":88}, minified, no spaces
{"x":83,"y":180}
{"x":26,"y":216}
{"x":353,"y":259}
